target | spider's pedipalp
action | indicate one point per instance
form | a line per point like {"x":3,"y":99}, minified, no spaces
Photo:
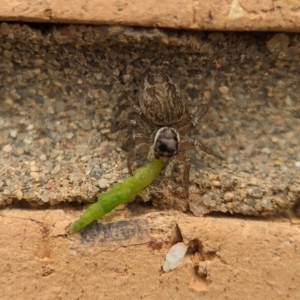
{"x":137,"y":125}
{"x":195,"y":143}
{"x":143,"y":147}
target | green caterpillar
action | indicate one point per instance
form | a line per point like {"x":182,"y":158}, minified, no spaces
{"x":119,"y":194}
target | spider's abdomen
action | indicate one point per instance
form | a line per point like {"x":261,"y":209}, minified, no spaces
{"x":160,"y":99}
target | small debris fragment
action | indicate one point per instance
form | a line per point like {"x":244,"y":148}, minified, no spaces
{"x":228,"y":196}
{"x":280,"y":201}
{"x":19,"y":194}
{"x":30,"y":127}
{"x":255,"y":192}
{"x":43,"y":157}
{"x":266,"y":204}
{"x":216,"y":183}
{"x":103,"y":183}
{"x":50,"y":110}
{"x":7,"y":148}
{"x":224,"y":90}
{"x":45,"y":197}
{"x":13,"y":133}
{"x":55,"y":170}
{"x":278,"y":43}
{"x":206,"y":199}
{"x":175,"y":256}
{"x":35,"y":176}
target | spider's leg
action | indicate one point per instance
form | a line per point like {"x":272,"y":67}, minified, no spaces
{"x":200,"y":145}
{"x":151,"y":153}
{"x":196,"y":118}
{"x":170,"y":166}
{"x":143,"y":147}
{"x":141,"y":138}
{"x":186,"y":175}
{"x":138,"y":110}
{"x":136,"y":138}
{"x":193,"y":119}
{"x":137,"y":125}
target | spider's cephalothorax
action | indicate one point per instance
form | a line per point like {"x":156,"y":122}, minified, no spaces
{"x":162,"y":108}
{"x":166,"y":142}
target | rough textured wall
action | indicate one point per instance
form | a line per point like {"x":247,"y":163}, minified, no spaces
{"x":64,"y":91}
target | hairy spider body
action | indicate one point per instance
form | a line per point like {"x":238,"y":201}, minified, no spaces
{"x":162,"y":107}
{"x":160,"y":99}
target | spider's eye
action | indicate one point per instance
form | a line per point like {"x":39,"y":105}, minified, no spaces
{"x":166,"y":142}
{"x":166,"y":148}
{"x":163,"y":148}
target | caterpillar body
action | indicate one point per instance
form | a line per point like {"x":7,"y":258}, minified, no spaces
{"x":119,"y":194}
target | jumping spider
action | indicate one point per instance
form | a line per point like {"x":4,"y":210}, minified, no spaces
{"x":162,"y":108}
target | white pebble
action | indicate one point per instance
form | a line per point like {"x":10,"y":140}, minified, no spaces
{"x":13,"y":133}
{"x":103,"y":183}
{"x":50,"y":110}
{"x":266,"y":150}
{"x":175,"y":256}
{"x":19,"y":194}
{"x":7,"y":148}
{"x":55,"y":170}
{"x":224,"y":90}
{"x":216,"y":183}
{"x":70,"y":135}
{"x":198,"y":211}
{"x":98,"y":76}
{"x":228,"y":196}
{"x":29,"y":127}
{"x":35,"y":176}
{"x":45,"y":197}
{"x":297,"y":164}
{"x":266,"y":203}
{"x":206,"y":199}
{"x":43,"y":157}
{"x":28,"y":140}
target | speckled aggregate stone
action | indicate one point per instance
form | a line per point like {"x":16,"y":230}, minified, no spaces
{"x":64,"y":90}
